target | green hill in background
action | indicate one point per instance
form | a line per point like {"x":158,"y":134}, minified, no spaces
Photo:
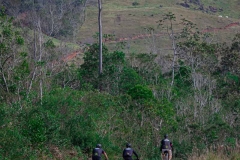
{"x":130,"y":18}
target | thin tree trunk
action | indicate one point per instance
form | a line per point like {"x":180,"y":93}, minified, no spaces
{"x":100,"y":43}
{"x":171,"y":35}
{"x":52,"y":20}
{"x":5,"y":81}
{"x":100,"y":35}
{"x":153,"y":42}
{"x":31,"y":81}
{"x":84,"y":11}
{"x":40,"y":59}
{"x":174,"y":55}
{"x":35,"y":59}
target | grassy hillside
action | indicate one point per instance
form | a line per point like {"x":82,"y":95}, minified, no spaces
{"x":123,"y":19}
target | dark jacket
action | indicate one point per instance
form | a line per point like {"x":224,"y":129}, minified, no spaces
{"x":166,"y":144}
{"x":128,"y":152}
{"x":97,"y":153}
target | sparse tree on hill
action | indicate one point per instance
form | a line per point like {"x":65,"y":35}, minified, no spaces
{"x":14,"y":66}
{"x":58,"y":18}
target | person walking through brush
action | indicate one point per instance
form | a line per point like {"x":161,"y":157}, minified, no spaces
{"x":128,"y":152}
{"x":97,"y":153}
{"x":166,"y":145}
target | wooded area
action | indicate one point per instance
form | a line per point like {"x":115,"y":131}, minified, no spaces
{"x":52,"y":109}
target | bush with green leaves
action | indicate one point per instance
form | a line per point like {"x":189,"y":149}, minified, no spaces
{"x":135,"y":3}
{"x":140,"y":92}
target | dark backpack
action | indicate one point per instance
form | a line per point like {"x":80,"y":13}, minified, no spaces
{"x":166,"y":144}
{"x":127,"y":152}
{"x":97,"y":152}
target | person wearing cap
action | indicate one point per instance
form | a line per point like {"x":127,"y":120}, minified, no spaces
{"x":97,"y":153}
{"x":128,"y":152}
{"x":166,"y":145}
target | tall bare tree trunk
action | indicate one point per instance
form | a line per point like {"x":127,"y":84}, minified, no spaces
{"x":174,"y":57}
{"x":174,"y":48}
{"x":100,"y":43}
{"x":100,"y":35}
{"x":154,"y":50}
{"x":35,"y":59}
{"x":40,"y":59}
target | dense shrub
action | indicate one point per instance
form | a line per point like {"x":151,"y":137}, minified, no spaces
{"x":135,"y":3}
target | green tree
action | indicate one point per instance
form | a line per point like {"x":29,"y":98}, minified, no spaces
{"x":14,"y":66}
{"x":114,"y":70}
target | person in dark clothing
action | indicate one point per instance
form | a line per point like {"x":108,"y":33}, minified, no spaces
{"x":97,"y":153}
{"x":128,"y":152}
{"x":166,"y":145}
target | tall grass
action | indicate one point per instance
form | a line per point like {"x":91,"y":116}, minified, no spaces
{"x":220,"y":152}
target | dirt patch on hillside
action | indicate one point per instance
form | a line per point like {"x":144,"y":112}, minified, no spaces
{"x":72,"y":55}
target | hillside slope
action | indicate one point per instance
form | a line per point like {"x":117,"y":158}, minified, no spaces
{"x":128,"y":19}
